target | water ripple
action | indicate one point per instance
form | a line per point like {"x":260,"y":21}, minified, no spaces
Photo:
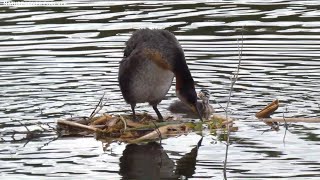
{"x":56,"y":62}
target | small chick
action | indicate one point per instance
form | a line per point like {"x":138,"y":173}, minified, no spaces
{"x":204,"y":106}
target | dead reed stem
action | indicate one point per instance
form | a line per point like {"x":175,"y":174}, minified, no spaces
{"x":77,"y":125}
{"x":305,"y":120}
{"x":233,"y":81}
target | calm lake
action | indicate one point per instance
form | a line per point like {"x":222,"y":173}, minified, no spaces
{"x":57,"y":60}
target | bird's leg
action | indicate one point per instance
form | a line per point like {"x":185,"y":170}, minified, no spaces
{"x":160,"y":118}
{"x":133,"y":112}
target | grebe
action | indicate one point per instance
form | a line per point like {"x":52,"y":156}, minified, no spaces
{"x":152,"y":58}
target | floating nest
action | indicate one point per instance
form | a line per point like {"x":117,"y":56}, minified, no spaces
{"x":108,"y":127}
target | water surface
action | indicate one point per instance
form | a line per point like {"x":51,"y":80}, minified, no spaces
{"x":57,"y":61}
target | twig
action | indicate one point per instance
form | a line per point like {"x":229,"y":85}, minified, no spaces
{"x":158,"y":131}
{"x":50,"y":141}
{"x":286,"y":127}
{"x":124,"y":122}
{"x":220,"y":105}
{"x":77,"y":125}
{"x":13,"y":134}
{"x":24,"y":126}
{"x":98,"y":107}
{"x":153,"y":135}
{"x":233,"y":81}
{"x":28,"y":140}
{"x":29,"y":134}
{"x":305,"y":120}
{"x":51,"y":127}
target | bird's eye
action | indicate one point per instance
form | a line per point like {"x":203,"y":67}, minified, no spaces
{"x":205,"y":93}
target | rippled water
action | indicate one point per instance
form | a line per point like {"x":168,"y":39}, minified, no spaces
{"x":57,"y":61}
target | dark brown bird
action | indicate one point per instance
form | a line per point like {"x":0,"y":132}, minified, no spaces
{"x":152,"y":58}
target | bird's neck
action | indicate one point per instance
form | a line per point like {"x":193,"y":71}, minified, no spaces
{"x":183,"y":79}
{"x":205,"y":102}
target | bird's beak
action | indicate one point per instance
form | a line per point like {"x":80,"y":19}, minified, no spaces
{"x":196,"y":109}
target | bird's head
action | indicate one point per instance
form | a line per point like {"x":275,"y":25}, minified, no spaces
{"x":204,"y":95}
{"x":189,"y":97}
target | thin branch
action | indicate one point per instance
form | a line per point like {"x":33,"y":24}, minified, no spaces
{"x":24,"y":126}
{"x":285,"y":125}
{"x":51,"y":127}
{"x":233,"y":81}
{"x":13,"y":134}
{"x":50,"y":141}
{"x":30,"y":134}
{"x":98,"y":107}
{"x":158,"y":131}
{"x":220,"y":105}
{"x":28,"y":140}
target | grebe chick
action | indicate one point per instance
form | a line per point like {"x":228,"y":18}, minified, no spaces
{"x":204,"y":106}
{"x":152,"y":58}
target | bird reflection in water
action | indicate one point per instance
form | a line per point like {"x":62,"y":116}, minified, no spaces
{"x":150,"y":161}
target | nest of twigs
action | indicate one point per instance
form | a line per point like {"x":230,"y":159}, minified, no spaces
{"x":121,"y":127}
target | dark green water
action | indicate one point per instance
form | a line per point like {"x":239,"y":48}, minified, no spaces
{"x":57,"y":61}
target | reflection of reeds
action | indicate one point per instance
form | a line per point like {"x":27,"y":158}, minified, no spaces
{"x":233,"y":81}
